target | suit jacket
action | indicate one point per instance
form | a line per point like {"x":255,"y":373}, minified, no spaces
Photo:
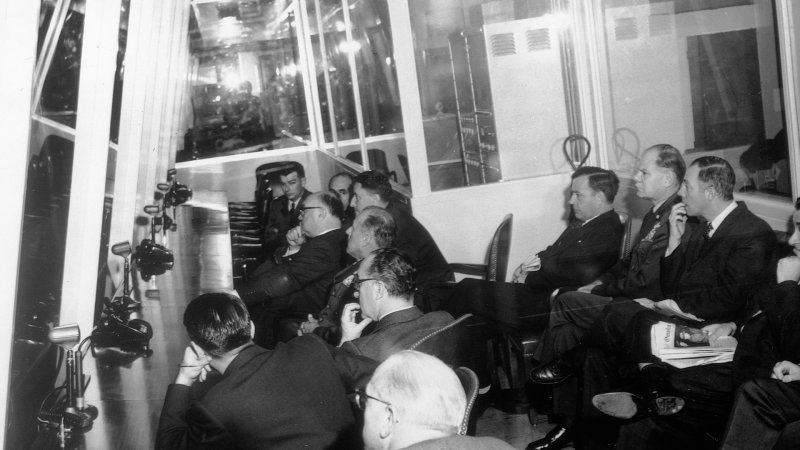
{"x":298,"y":282}
{"x":580,"y":254}
{"x":397,"y":331}
{"x":290,"y":397}
{"x":279,"y":221}
{"x":716,"y":278}
{"x":415,"y":240}
{"x":639,"y":275}
{"x":458,"y":442}
{"x":342,"y":293}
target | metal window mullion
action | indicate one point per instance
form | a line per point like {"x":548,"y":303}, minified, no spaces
{"x":326,"y":77}
{"x":310,"y":89}
{"x":351,"y":59}
{"x":95,"y":91}
{"x":789,"y":53}
{"x":49,"y":48}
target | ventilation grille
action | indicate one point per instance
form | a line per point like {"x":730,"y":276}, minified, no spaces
{"x":503,"y":44}
{"x":660,"y":25}
{"x":538,"y":39}
{"x":626,"y":29}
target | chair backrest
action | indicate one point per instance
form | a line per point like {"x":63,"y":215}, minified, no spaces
{"x":627,"y":239}
{"x":497,"y":257}
{"x":377,"y":161}
{"x":469,"y":380}
{"x":451,"y":343}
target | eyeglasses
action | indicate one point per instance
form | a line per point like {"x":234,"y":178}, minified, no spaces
{"x":357,"y":281}
{"x":303,"y":209}
{"x":361,"y":399}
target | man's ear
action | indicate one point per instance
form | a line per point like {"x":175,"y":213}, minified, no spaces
{"x":387,"y":423}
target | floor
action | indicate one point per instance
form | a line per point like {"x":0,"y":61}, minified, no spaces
{"x":128,"y":388}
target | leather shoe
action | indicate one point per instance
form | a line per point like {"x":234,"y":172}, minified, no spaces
{"x":554,"y":372}
{"x":624,"y":405}
{"x":555,"y":439}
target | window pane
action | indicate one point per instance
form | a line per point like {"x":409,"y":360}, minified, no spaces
{"x":496,"y":88}
{"x":59,"y":98}
{"x":702,"y":76}
{"x":247,"y":93}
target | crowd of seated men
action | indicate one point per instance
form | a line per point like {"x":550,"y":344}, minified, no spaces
{"x":344,"y":298}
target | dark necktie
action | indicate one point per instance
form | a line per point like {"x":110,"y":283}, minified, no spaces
{"x":648,"y":222}
{"x":291,"y":207}
{"x":707,"y":230}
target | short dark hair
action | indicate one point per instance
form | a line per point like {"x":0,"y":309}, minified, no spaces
{"x":347,"y":175}
{"x":380,"y":224}
{"x":293,"y":167}
{"x":670,"y":158}
{"x":718,"y":173}
{"x":375,"y":182}
{"x":217,"y":322}
{"x":332,"y":203}
{"x":600,"y":180}
{"x":394,"y":269}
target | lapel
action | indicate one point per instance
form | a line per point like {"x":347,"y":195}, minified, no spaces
{"x":660,"y":216}
{"x":703,"y":246}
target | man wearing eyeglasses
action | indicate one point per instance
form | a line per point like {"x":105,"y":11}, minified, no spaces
{"x":298,"y":278}
{"x":225,"y":384}
{"x":386,"y":282}
{"x":414,"y":401}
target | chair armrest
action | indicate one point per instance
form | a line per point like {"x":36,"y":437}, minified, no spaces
{"x":469,"y":269}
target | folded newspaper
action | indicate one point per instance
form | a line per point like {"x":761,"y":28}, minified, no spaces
{"x":682,"y":346}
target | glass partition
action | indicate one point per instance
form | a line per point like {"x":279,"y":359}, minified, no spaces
{"x":247,"y":90}
{"x":702,"y":76}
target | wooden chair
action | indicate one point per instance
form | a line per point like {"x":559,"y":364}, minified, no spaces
{"x":469,"y":380}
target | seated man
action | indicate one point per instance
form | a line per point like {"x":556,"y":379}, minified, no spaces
{"x":303,"y":383}
{"x":710,"y":271}
{"x":341,"y":184}
{"x":299,"y":276}
{"x":587,"y":248}
{"x":414,"y":401}
{"x":766,"y":341}
{"x":373,"y":229}
{"x":284,"y":212}
{"x":372,"y":188}
{"x":660,"y":175}
{"x":385,"y":282}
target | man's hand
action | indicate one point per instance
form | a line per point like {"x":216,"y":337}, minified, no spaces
{"x":532,"y":263}
{"x":789,"y":269}
{"x":308,"y":326}
{"x":588,"y":288}
{"x":350,"y":328}
{"x":677,"y":226}
{"x":786,"y":371}
{"x":718,"y":330}
{"x":193,"y":367}
{"x":296,"y":239}
{"x":646,"y":302}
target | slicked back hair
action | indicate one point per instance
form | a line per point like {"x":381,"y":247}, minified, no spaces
{"x":600,"y":180}
{"x":376,"y":183}
{"x":393,"y":268}
{"x":718,"y":173}
{"x":670,"y":158}
{"x":217,"y":322}
{"x":332,"y":203}
{"x":379,"y":224}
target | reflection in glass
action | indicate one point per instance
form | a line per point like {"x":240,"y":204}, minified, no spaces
{"x":702,"y":78}
{"x":247,"y":93}
{"x":59,"y":97}
{"x":496,"y":87}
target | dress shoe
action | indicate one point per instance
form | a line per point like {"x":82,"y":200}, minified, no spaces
{"x":554,"y":372}
{"x":555,"y":439}
{"x":624,"y":405}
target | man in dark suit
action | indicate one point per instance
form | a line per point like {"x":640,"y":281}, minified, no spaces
{"x":710,"y":271}
{"x":660,"y":175}
{"x":768,"y":342}
{"x":372,"y":188}
{"x":386,"y":282}
{"x":303,"y":383}
{"x":587,"y":248}
{"x":284,"y":212}
{"x":298,"y":277}
{"x":372,"y":229}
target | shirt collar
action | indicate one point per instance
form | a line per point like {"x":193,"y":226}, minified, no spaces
{"x":721,"y":217}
